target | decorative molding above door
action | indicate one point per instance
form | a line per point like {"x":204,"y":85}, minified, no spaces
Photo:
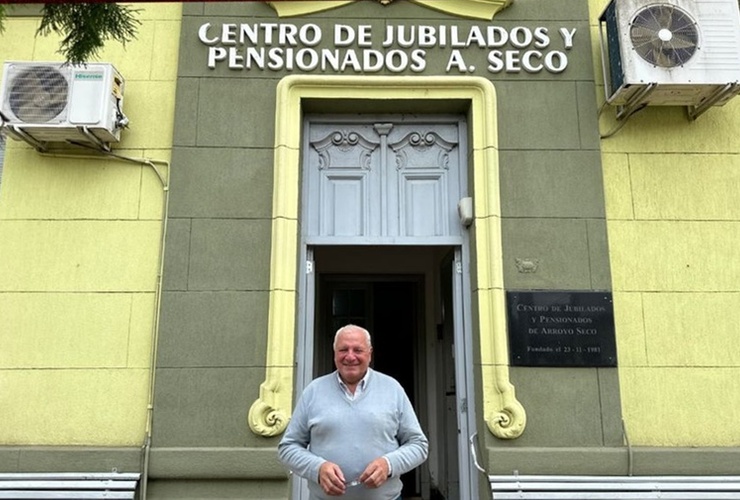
{"x":471,"y":9}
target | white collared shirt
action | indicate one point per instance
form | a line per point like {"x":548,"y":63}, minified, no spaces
{"x":358,"y":389}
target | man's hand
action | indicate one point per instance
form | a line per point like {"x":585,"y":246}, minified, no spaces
{"x":331,"y":479}
{"x":375,"y":474}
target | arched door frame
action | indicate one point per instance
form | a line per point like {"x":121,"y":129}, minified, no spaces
{"x":269,"y":414}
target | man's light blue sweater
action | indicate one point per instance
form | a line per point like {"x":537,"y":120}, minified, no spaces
{"x":328,"y":425}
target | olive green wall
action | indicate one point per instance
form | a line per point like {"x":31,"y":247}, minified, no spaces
{"x":212,"y":348}
{"x":553,"y":214}
{"x":214,"y":318}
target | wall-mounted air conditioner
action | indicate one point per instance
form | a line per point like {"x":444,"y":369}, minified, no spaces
{"x":671,"y":52}
{"x":52,"y":102}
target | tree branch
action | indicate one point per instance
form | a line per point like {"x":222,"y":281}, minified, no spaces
{"x":85,"y":27}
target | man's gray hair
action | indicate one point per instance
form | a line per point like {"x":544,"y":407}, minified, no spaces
{"x":352,"y":328}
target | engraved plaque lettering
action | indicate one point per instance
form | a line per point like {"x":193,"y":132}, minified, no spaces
{"x":569,"y":329}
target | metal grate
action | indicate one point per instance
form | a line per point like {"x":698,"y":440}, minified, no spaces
{"x":664,"y":35}
{"x":38,"y":94}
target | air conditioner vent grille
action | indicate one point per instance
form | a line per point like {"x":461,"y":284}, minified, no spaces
{"x":38,"y":94}
{"x":664,"y":35}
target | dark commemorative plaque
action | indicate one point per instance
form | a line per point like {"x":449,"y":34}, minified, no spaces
{"x":561,"y":329}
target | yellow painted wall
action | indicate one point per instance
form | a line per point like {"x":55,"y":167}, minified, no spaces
{"x":673,"y":222}
{"x":79,"y":254}
{"x":80,"y":240}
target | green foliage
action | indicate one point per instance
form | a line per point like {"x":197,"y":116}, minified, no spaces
{"x":85,"y":27}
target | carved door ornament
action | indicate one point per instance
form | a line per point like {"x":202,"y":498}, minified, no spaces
{"x":432,"y":151}
{"x":344,"y":148}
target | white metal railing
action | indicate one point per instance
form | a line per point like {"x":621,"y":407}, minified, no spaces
{"x":68,"y":485}
{"x":565,"y":487}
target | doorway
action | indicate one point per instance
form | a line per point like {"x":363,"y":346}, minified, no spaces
{"x":384,"y":248}
{"x":387,"y":306}
{"x":404,"y":295}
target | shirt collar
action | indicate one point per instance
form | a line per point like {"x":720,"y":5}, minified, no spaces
{"x":360,"y":385}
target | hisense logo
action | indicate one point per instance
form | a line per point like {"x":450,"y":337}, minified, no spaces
{"x":88,"y":76}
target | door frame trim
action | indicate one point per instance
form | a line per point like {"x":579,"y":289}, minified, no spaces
{"x":504,"y":414}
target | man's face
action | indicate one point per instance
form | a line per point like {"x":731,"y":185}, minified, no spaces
{"x":352,"y":356}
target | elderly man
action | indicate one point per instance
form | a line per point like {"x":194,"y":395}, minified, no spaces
{"x":354,"y":431}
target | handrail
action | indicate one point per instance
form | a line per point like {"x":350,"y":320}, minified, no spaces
{"x":475,"y":455}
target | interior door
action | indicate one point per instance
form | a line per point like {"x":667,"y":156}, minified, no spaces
{"x":388,"y":307}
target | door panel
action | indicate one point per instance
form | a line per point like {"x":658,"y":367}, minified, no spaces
{"x":371,"y":179}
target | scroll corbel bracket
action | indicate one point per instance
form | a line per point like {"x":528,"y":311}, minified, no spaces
{"x":265,"y":417}
{"x":509,"y":422}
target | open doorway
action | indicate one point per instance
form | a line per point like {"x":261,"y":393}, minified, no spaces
{"x":387,"y":306}
{"x":402,"y":296}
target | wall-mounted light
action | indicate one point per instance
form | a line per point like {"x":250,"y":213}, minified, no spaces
{"x":465,"y":211}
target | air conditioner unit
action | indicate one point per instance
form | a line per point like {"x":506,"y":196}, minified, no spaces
{"x":53,"y":102}
{"x":671,"y":52}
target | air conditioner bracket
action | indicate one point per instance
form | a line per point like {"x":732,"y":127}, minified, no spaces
{"x":95,"y":140}
{"x":26,"y":137}
{"x":636,"y":102}
{"x":721,"y":93}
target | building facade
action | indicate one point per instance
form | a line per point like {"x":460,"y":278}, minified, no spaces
{"x":427,"y":169}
